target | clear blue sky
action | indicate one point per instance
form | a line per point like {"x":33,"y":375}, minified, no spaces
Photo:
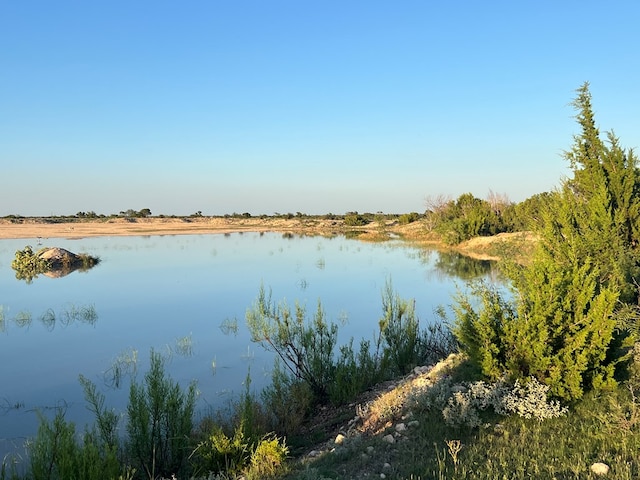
{"x":314,"y":106}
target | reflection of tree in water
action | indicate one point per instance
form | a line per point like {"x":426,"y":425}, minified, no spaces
{"x":466,"y":268}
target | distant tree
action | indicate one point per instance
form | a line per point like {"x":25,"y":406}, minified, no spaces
{"x":145,"y":212}
{"x":354,"y":219}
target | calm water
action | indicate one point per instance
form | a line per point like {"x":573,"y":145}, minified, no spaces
{"x":186,"y":297}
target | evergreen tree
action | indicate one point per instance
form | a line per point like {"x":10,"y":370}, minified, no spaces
{"x":580,"y":282}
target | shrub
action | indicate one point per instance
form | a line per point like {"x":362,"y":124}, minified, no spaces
{"x":407,"y":218}
{"x":306,"y":348}
{"x":160,"y":420}
{"x":28,"y":265}
{"x":287,"y":400}
{"x":354,"y":219}
{"x":468,"y":403}
{"x":399,"y":332}
{"x":56,"y":454}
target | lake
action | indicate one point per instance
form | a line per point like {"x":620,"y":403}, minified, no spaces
{"x":185,"y":296}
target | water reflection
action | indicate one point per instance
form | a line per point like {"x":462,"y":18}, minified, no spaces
{"x":53,"y":262}
{"x":68,"y":315}
{"x":187,"y":296}
{"x":456,"y":265}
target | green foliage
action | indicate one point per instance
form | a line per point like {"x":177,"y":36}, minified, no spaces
{"x":309,"y":370}
{"x":245,"y":449}
{"x":407,"y":218}
{"x":56,"y":454}
{"x":306,"y":348}
{"x":399,"y":332}
{"x":466,"y":218}
{"x":562,"y":325}
{"x":268,"y":457}
{"x":354,"y":219}
{"x":144,"y":213}
{"x":28,"y":265}
{"x":287,"y":400}
{"x":160,"y":420}
{"x":106,"y":420}
{"x":221,"y":453}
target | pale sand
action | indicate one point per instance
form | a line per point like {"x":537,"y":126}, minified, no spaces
{"x":162,"y":226}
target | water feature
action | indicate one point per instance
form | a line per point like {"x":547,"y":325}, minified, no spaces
{"x":186,"y":297}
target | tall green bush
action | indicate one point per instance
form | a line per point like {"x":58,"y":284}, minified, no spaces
{"x":306,"y":348}
{"x":159,"y":423}
{"x":57,"y":453}
{"x":563,"y":326}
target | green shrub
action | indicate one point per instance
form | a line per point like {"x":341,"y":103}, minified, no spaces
{"x":354,"y":219}
{"x":287,"y":400}
{"x":28,"y":265}
{"x":305,"y":347}
{"x":399,"y":332}
{"x":407,"y":218}
{"x":160,"y":420}
{"x":56,"y":454}
{"x":268,"y":457}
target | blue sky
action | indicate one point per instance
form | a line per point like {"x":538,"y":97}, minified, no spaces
{"x":300,"y":106}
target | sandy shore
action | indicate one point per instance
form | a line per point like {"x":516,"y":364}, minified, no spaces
{"x":416,"y":232}
{"x":34,"y":228}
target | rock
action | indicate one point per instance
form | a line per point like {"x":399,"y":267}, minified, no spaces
{"x":389,"y":439}
{"x":400,"y":427}
{"x":600,"y":468}
{"x":339,"y":439}
{"x":413,"y":423}
{"x":59,"y":257}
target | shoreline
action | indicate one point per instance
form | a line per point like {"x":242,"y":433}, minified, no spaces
{"x":417,"y":233}
{"x":34,"y":228}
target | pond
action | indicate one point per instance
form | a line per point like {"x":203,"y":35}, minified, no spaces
{"x":186,"y":296}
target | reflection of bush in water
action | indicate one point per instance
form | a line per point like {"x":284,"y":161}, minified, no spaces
{"x":84,"y":314}
{"x":466,"y":268}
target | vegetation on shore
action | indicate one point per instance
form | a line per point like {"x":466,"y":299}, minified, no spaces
{"x":541,"y":383}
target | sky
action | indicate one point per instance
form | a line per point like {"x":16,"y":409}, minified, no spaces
{"x":286,"y":106}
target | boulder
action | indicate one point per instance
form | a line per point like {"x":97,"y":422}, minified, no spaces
{"x":59,"y":257}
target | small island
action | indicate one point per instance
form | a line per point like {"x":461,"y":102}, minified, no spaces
{"x":54,"y":262}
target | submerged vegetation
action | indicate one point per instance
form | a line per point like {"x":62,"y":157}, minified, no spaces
{"x":554,"y":363}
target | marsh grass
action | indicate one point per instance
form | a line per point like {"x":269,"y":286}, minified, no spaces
{"x":124,"y":365}
{"x":79,"y":313}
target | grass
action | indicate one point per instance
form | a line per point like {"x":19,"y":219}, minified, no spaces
{"x":601,"y":428}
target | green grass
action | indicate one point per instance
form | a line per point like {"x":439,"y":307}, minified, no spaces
{"x":601,"y":428}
